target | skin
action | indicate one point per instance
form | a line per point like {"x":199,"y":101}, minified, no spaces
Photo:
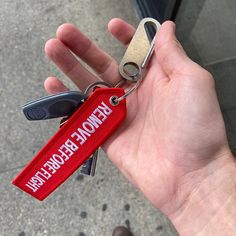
{"x":173,"y":144}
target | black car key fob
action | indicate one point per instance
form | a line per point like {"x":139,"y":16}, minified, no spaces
{"x":53,"y":106}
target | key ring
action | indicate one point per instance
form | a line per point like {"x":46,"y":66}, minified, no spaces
{"x":116,"y":100}
{"x":91,"y":86}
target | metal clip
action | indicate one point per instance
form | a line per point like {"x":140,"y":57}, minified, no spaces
{"x":138,"y":52}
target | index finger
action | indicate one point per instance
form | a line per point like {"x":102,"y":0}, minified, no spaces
{"x":102,"y":63}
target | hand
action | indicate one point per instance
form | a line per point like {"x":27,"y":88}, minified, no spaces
{"x":174,"y":135}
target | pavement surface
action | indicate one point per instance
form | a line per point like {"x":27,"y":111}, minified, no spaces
{"x":83,"y":206}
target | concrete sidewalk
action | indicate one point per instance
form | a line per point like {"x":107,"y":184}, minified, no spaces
{"x":83,"y":205}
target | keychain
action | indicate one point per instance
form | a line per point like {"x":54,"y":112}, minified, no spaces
{"x":60,"y":105}
{"x":91,"y":120}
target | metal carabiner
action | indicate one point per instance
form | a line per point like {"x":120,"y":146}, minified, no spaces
{"x":138,"y":52}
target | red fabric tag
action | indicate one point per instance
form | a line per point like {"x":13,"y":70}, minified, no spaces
{"x":88,"y":128}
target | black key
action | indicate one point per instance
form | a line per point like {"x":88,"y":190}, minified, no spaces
{"x":53,"y":106}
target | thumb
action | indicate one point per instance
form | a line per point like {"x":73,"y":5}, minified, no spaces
{"x":170,"y":54}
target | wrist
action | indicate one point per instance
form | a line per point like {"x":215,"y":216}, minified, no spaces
{"x":208,"y":207}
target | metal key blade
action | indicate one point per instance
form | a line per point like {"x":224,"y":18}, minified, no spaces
{"x":53,"y":106}
{"x":89,"y":167}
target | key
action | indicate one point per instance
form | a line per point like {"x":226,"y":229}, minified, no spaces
{"x":53,"y":106}
{"x":89,"y":167}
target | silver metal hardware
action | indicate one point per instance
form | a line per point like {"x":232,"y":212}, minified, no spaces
{"x":138,"y":52}
{"x":93,"y":85}
{"x":89,"y":167}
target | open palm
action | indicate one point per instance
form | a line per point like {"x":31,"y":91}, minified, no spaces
{"x":174,"y":126}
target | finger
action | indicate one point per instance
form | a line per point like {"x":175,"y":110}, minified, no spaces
{"x":124,"y":32}
{"x":67,"y":62}
{"x":103,"y":64}
{"x":121,"y":30}
{"x":170,"y":54}
{"x":53,"y":85}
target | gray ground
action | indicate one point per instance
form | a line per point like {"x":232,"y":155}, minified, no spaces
{"x":93,"y":206}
